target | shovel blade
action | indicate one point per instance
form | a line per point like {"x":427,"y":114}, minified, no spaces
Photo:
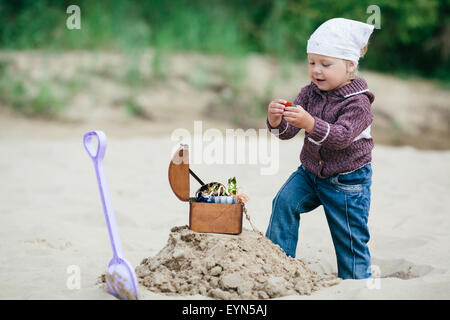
{"x":121,"y":280}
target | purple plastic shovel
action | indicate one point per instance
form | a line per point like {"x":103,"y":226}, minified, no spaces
{"x":120,"y":276}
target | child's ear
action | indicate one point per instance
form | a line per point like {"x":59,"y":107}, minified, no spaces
{"x":351,"y":66}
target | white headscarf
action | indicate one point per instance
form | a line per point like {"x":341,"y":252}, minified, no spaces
{"x":340,"y":38}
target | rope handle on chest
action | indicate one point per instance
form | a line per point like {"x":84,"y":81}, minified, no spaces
{"x":247,"y":216}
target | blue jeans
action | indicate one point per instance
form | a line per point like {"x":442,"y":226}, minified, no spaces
{"x":346,"y":201}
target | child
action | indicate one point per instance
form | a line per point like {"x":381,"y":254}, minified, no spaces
{"x":335,"y":170}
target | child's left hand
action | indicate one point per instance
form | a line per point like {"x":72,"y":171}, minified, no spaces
{"x":299,"y":117}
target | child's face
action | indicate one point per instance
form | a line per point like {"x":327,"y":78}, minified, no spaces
{"x":329,"y":73}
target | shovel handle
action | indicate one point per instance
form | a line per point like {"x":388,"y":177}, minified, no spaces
{"x":97,"y":154}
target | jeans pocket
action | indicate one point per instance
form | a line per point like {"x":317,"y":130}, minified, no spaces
{"x":353,"y":182}
{"x":340,"y":186}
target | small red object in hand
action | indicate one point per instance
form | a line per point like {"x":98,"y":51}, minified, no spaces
{"x":288,"y":104}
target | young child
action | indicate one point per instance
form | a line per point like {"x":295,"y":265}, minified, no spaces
{"x":335,"y":170}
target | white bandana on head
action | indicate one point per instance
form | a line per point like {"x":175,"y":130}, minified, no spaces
{"x":340,"y":38}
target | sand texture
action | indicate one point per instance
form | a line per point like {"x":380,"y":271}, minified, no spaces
{"x":245,"y":266}
{"x":52,"y":223}
{"x":55,"y":242}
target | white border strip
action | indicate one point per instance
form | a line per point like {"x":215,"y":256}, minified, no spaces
{"x":355,"y":93}
{"x":326,"y":135}
{"x":279,"y":134}
{"x":364,"y":135}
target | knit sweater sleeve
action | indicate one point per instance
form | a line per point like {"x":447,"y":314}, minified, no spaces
{"x":354,"y":118}
{"x":286,"y":131}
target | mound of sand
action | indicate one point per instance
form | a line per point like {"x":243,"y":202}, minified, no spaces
{"x":247,"y":266}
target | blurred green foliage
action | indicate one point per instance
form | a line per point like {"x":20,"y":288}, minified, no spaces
{"x":414,"y":37}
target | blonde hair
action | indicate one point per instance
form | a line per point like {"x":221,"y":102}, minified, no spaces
{"x":354,"y":74}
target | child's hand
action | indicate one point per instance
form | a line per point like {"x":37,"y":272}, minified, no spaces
{"x":299,"y":117}
{"x":275,"y":112}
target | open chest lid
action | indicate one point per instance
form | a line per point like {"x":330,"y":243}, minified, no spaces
{"x":179,"y":173}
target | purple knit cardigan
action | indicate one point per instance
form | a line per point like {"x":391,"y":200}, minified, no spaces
{"x":340,"y":141}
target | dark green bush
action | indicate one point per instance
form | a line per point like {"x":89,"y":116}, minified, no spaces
{"x":413,"y":39}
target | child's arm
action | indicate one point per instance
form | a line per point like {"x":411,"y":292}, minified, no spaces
{"x":355,"y":118}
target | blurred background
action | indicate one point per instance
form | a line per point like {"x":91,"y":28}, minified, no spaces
{"x":149,"y":67}
{"x":138,"y":70}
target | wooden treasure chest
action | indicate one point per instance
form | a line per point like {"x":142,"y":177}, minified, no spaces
{"x":203,"y":217}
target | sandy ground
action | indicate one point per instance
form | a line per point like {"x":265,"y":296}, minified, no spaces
{"x":51,"y":219}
